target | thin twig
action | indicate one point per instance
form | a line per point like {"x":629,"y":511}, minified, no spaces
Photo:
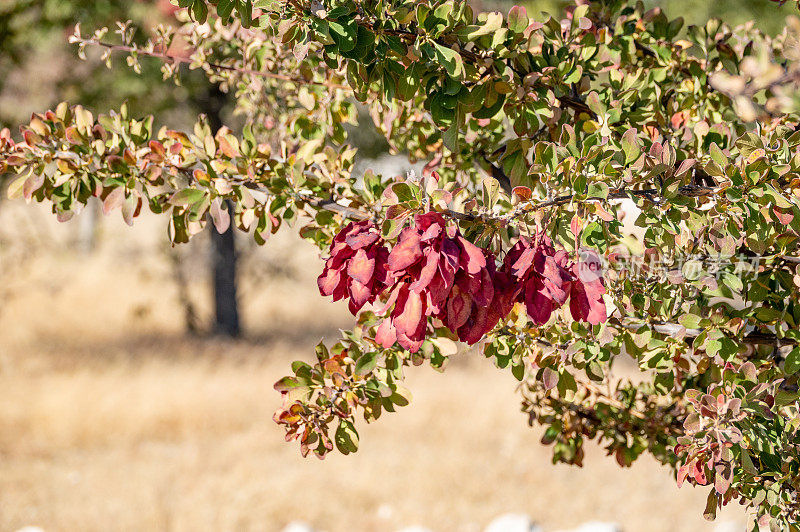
{"x":676,"y":330}
{"x":186,"y":60}
{"x":649,"y":193}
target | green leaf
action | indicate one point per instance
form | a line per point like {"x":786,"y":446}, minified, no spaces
{"x":344,"y":33}
{"x":187,"y":196}
{"x":747,"y":464}
{"x":717,"y":156}
{"x":710,"y":513}
{"x":442,"y":114}
{"x":732,"y":281}
{"x":452,"y":61}
{"x":450,"y":137}
{"x":515,"y":166}
{"x":346,"y":438}
{"x":489,"y":112}
{"x":598,"y":190}
{"x":494,"y":22}
{"x":690,"y":321}
{"x":366,"y":363}
{"x":779,"y":199}
{"x":517,"y":19}
{"x":792,"y":363}
{"x":630,"y":145}
{"x":225,"y":8}
{"x":518,"y":371}
{"x":595,"y":104}
{"x":491,"y":191}
{"x":403,"y":192}
{"x":713,"y":347}
{"x":728,"y":349}
{"x":199,"y":11}
{"x":401,"y":396}
{"x":301,"y":369}
{"x":15,"y":188}
{"x":245,"y":10}
{"x":286,"y":384}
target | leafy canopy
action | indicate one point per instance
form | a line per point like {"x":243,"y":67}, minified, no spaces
{"x":542,"y":139}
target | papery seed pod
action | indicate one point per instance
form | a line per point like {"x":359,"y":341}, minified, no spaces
{"x":453,"y":278}
{"x":543,"y":279}
{"x":586,"y":291}
{"x":356,"y":267}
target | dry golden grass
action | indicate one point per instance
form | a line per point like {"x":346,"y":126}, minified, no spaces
{"x":111,"y":419}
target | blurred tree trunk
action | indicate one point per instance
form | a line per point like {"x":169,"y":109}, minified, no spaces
{"x":226,"y":304}
{"x":87,"y":227}
{"x":223,"y":246}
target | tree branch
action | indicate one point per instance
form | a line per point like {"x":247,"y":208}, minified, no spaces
{"x":180,"y":59}
{"x":676,"y":330}
{"x":691,"y":191}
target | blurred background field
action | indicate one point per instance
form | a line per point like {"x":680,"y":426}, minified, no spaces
{"x":116,"y":415}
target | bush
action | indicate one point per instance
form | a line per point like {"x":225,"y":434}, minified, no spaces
{"x":539,"y":138}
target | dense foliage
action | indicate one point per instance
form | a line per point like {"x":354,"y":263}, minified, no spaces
{"x":542,"y":139}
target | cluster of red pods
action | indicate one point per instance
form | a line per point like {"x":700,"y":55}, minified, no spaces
{"x":434,"y":272}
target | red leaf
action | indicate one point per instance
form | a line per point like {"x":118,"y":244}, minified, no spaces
{"x":459,"y":306}
{"x":406,"y":252}
{"x":783,"y":217}
{"x":412,"y":339}
{"x":449,"y":258}
{"x":523,"y":256}
{"x":431,"y":232}
{"x":394,"y":296}
{"x":31,"y":138}
{"x":362,"y":239}
{"x":31,"y":185}
{"x":220,"y":215}
{"x":361,"y":267}
{"x":550,"y":378}
{"x":505,"y":293}
{"x":576,"y":225}
{"x":556,"y":281}
{"x":381,"y":274}
{"x":484,"y":294}
{"x":344,"y":232}
{"x":411,"y":314}
{"x":538,"y":305}
{"x":523,"y":193}
{"x":683,"y":472}
{"x":158,"y":149}
{"x":437,"y":292}
{"x":386,"y":335}
{"x":481,"y":321}
{"x":328,"y":281}
{"x":579,"y":304}
{"x":586,"y":297}
{"x":472,"y":259}
{"x":427,"y":273}
{"x":113,"y":200}
{"x":359,"y":295}
{"x":424,"y":221}
{"x":678,"y":119}
{"x":411,"y":343}
{"x":698,"y":473}
{"x":602,"y":213}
